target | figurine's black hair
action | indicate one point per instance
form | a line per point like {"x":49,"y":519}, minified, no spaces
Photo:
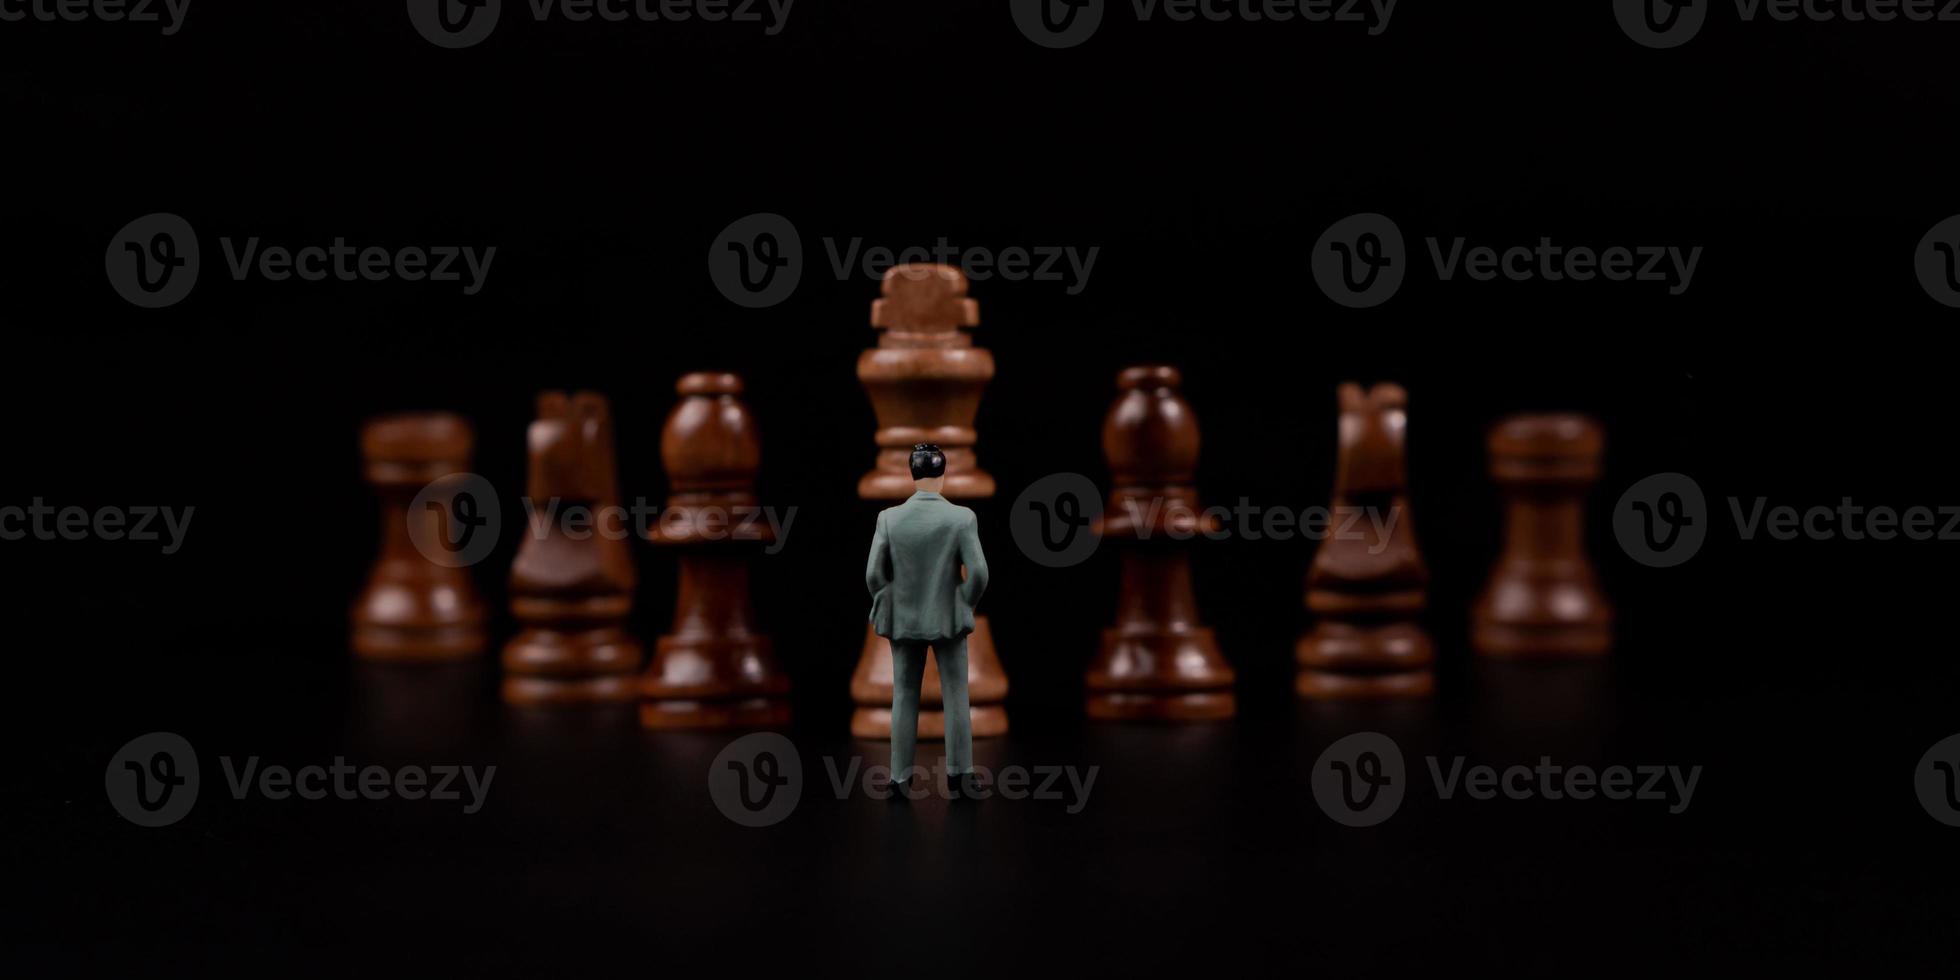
{"x":927,"y":461}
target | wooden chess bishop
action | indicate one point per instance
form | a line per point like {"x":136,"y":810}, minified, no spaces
{"x":925,"y":379}
{"x":715,"y":668}
{"x":1543,"y":600}
{"x":1159,"y":662}
{"x":1368,"y":582}
{"x":571,"y":585}
{"x":415,"y":606}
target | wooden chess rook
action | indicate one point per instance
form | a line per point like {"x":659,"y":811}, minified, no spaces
{"x":1543,"y":600}
{"x":925,"y":379}
{"x":1159,"y":662}
{"x":572,"y":591}
{"x":1368,"y":582}
{"x":714,"y":668}
{"x":415,"y":607}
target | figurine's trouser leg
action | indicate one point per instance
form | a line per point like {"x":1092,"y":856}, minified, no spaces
{"x":951,"y":656}
{"x":908,"y":669}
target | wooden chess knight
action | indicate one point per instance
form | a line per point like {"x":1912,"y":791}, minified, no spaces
{"x":1159,"y":662}
{"x":413,"y":606}
{"x":572,"y":591}
{"x":925,"y":378}
{"x":715,"y":668}
{"x":1543,"y":601}
{"x":1368,"y":585}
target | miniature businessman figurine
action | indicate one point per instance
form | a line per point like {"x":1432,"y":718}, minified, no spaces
{"x":918,"y":600}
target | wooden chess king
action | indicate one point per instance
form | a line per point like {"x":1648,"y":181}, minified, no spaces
{"x":925,"y":379}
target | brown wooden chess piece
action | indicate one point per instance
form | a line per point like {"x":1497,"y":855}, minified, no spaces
{"x":572,"y":583}
{"x":1159,"y":662}
{"x":1368,"y":583}
{"x":419,"y":602}
{"x":715,"y":669}
{"x":1543,"y":600}
{"x":925,"y":378}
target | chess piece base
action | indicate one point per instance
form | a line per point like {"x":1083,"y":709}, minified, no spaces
{"x":1160,"y":676}
{"x":1347,"y":660}
{"x":680,"y":714}
{"x":986,"y":687}
{"x":572,"y":654}
{"x":1162,"y":706}
{"x":373,"y":641}
{"x":1541,"y":642}
{"x":548,"y":690}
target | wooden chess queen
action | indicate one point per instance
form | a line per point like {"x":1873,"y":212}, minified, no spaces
{"x":925,"y":379}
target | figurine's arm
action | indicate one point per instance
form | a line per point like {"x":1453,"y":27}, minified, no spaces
{"x":975,"y":561}
{"x":877,"y":570}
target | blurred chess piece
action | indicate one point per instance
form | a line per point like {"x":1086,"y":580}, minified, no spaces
{"x":1543,"y":600}
{"x":419,"y":602}
{"x":571,"y":586}
{"x":925,"y":378}
{"x":1368,"y":583}
{"x":714,"y":669}
{"x":1159,"y":662}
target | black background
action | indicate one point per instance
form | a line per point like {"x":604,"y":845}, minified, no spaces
{"x":1804,"y":364}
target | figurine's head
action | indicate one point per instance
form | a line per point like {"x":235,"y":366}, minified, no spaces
{"x":928,"y":467}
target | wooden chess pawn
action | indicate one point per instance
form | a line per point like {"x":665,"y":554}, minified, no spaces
{"x":419,"y":602}
{"x":571,"y":585}
{"x":1368,"y":583}
{"x":715,"y":669}
{"x":1159,"y":662}
{"x":1543,"y":600}
{"x":925,"y":379}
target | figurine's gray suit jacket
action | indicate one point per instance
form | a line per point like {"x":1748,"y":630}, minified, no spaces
{"x":914,"y":570}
